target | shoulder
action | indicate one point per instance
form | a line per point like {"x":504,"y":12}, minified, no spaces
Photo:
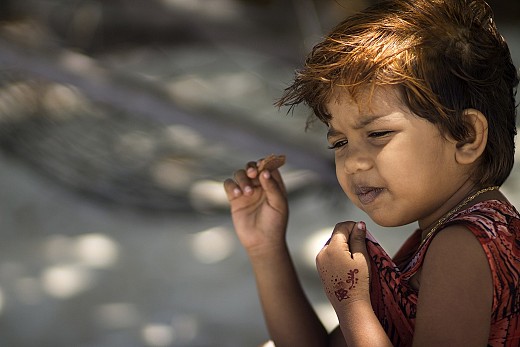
{"x":496,"y":225}
{"x":456,"y":292}
{"x":456,"y":254}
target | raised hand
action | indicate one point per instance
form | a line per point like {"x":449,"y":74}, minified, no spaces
{"x":259,"y":207}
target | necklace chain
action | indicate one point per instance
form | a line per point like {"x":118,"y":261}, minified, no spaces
{"x":455,"y":210}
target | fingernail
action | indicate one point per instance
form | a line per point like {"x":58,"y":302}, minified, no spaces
{"x":236,"y":192}
{"x":248,"y":189}
{"x":266,"y":174}
{"x":362,"y":226}
{"x":251,"y":170}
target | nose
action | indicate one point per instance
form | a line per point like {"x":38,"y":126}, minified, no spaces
{"x":355,"y":160}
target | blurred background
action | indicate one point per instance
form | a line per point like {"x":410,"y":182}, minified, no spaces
{"x":119,"y":120}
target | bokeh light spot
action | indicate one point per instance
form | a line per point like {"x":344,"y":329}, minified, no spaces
{"x":158,"y":335}
{"x":66,"y":281}
{"x":212,"y":245}
{"x":206,"y":195}
{"x":313,"y":244}
{"x":96,"y":250}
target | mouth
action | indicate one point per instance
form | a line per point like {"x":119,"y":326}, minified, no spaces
{"x":367,"y":195}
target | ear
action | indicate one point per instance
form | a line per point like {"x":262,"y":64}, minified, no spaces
{"x":470,"y":150}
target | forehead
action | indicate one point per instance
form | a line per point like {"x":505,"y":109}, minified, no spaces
{"x":367,"y":102}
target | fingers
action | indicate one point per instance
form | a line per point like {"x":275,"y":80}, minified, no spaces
{"x":274,"y":189}
{"x":232,"y":190}
{"x":242,"y":183}
{"x":246,"y":180}
{"x":271,"y":164}
{"x":275,"y":174}
{"x":350,"y":236}
{"x":252,"y":170}
{"x":358,"y":244}
{"x":357,"y":239}
{"x":341,"y":233}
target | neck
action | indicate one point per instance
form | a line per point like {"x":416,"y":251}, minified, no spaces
{"x":470,"y":199}
{"x":454,"y":199}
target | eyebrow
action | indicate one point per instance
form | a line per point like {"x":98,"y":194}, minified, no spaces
{"x":332,"y":132}
{"x":361,"y":123}
{"x":366,"y":120}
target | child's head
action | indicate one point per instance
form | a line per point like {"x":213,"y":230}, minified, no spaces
{"x":444,"y":56}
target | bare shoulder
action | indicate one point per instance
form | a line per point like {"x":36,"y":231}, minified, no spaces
{"x":456,"y":255}
{"x":456,"y":240}
{"x":456,"y":292}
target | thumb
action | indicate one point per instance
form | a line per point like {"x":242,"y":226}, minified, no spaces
{"x":357,"y":239}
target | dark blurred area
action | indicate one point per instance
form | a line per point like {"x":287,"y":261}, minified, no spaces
{"x":124,"y":100}
{"x":119,"y":120}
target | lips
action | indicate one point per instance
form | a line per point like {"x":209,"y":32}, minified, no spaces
{"x":367,"y":195}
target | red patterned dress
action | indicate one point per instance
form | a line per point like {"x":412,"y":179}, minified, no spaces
{"x":496,"y":225}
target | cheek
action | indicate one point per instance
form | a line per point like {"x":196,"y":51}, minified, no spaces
{"x":338,"y":165}
{"x":345,"y":186}
{"x":342,"y":182}
{"x":404,"y":160}
{"x":341,"y":176}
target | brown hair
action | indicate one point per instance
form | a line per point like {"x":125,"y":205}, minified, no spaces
{"x":445,"y":56}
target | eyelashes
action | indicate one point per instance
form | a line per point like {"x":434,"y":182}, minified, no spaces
{"x":377,"y":134}
{"x":338,"y":144}
{"x":373,"y":135}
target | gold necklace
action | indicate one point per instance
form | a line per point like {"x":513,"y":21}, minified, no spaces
{"x":455,"y":210}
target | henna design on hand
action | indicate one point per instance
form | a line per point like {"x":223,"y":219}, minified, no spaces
{"x":352,"y":279}
{"x":343,"y":287}
{"x":341,"y":294}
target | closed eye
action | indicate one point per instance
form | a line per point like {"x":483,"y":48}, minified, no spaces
{"x":338,"y":144}
{"x":377,"y":134}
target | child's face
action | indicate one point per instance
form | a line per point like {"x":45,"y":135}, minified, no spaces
{"x":392,"y":164}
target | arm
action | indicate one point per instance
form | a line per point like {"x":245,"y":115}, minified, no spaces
{"x":259,"y":211}
{"x":456,"y":292}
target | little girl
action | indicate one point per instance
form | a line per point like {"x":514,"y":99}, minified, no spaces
{"x":419,"y":100}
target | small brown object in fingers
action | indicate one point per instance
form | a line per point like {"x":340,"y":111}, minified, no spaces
{"x":271,"y":162}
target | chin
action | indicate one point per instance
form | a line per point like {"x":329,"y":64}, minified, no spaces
{"x":388,"y":221}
